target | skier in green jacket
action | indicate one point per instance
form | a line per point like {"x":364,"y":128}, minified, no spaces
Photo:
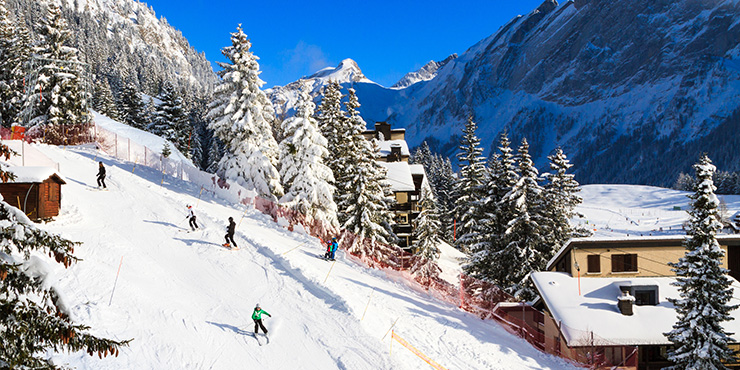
{"x":257,"y":317}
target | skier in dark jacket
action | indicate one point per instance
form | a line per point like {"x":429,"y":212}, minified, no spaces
{"x":191,"y":216}
{"x":230,"y":234}
{"x":101,"y":175}
{"x":257,"y":317}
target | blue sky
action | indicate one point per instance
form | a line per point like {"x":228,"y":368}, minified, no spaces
{"x":296,"y":38}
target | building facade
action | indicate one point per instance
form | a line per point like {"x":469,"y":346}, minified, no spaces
{"x":406,"y":180}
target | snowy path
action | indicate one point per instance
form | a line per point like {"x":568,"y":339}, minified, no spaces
{"x":187,"y":301}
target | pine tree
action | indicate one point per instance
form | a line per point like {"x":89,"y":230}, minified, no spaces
{"x":215,"y":153}
{"x":33,"y":320}
{"x":132,"y":107}
{"x":241,"y":116}
{"x":171,"y":120}
{"x":59,"y":102}
{"x":699,"y":339}
{"x":166,"y":150}
{"x":307,"y":180}
{"x":469,"y":189}
{"x":15,"y":50}
{"x":561,"y":199}
{"x":427,"y":231}
{"x":526,"y":249}
{"x":495,"y":216}
{"x":369,"y":218}
{"x":335,"y":128}
{"x":103,"y":100}
{"x":423,"y":156}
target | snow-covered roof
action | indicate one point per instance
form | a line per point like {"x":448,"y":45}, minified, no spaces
{"x":385,"y":147}
{"x":417,"y":169}
{"x":399,"y":176}
{"x":595,"y":309}
{"x":33,"y":174}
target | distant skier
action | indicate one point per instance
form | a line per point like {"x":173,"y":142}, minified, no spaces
{"x":257,"y":317}
{"x":332,"y":248}
{"x":329,"y":247}
{"x":101,"y":175}
{"x":230,"y":235}
{"x":191,"y":216}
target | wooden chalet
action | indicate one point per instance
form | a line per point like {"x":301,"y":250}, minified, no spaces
{"x":37,"y":191}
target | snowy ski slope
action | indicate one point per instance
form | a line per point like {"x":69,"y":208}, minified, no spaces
{"x":186,"y":301}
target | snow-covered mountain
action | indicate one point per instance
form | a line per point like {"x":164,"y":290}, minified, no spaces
{"x":633,"y":91}
{"x":124,"y":39}
{"x":425,"y":73}
{"x":284,"y":98}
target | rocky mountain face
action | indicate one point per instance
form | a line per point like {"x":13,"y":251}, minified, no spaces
{"x":124,"y":40}
{"x":632,"y":91}
{"x":425,"y":73}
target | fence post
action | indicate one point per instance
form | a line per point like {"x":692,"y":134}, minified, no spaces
{"x":144,"y":156}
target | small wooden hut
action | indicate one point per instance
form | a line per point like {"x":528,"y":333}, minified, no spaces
{"x":37,"y":191}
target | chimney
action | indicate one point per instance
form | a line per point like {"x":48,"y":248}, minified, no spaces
{"x":625,"y":302}
{"x":384,"y":129}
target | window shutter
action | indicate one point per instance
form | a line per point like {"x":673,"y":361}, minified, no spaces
{"x":594,"y":263}
{"x":617,"y":263}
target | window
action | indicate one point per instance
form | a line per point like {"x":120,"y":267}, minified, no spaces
{"x":646,"y":295}
{"x":624,"y":263}
{"x":594,"y":263}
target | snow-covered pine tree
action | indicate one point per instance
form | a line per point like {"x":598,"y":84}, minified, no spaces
{"x":445,"y":180}
{"x":15,"y":49}
{"x":131,"y":107}
{"x":103,"y":101}
{"x":427,"y":233}
{"x":469,"y":189}
{"x":561,"y":200}
{"x":215,"y":153}
{"x":495,"y":216}
{"x":306,"y":179}
{"x":171,"y":120}
{"x":368,"y":213}
{"x":166,"y":149}
{"x":334,"y":127}
{"x":700,"y":341}
{"x":526,"y":249}
{"x":201,"y":137}
{"x":33,"y":319}
{"x":59,"y":102}
{"x":423,"y":155}
{"x":241,"y":116}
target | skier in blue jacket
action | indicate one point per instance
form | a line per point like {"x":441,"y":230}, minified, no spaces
{"x":334,"y":247}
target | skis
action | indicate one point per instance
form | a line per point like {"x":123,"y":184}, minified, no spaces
{"x":325,"y":258}
{"x":92,"y":188}
{"x":257,"y":337}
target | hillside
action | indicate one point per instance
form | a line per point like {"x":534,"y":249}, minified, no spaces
{"x":186,"y":301}
{"x":123,"y":40}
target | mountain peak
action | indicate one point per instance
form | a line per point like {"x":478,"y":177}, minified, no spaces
{"x":425,"y":73}
{"x":346,"y":71}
